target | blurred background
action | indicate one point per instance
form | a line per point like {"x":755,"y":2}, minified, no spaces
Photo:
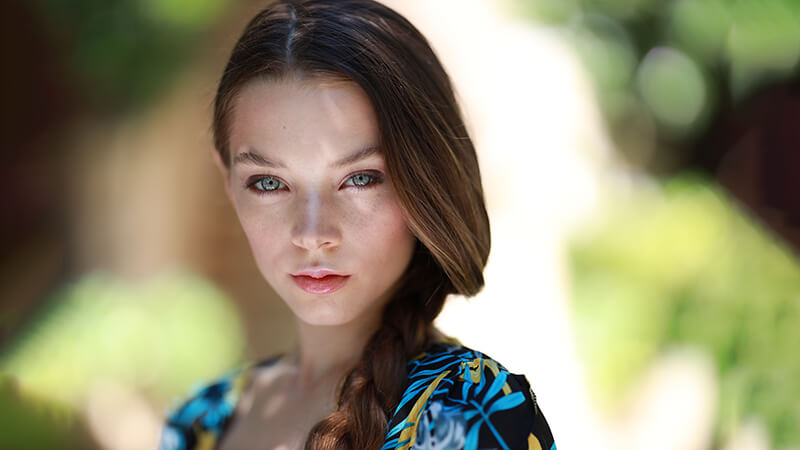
{"x":639,"y":157}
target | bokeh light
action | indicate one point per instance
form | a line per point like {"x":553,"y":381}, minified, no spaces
{"x":672,"y":87}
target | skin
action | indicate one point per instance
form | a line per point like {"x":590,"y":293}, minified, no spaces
{"x":312,"y":213}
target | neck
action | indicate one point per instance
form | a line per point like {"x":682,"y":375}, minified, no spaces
{"x":326,"y":353}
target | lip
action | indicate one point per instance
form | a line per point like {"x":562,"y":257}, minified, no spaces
{"x":316,"y":273}
{"x":319,"y":281}
{"x":324,"y":285}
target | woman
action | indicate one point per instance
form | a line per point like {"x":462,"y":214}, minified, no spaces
{"x":351,"y":171}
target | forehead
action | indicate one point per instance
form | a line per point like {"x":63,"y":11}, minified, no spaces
{"x":302,"y":116}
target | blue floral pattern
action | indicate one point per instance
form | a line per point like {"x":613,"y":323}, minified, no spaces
{"x":460,"y":398}
{"x":455,"y":398}
{"x":441,"y":429}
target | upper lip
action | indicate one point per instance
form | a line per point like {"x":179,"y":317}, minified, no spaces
{"x":316,"y":273}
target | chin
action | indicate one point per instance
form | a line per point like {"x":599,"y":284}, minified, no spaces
{"x":337,"y":309}
{"x":318,"y":311}
{"x":324,"y":319}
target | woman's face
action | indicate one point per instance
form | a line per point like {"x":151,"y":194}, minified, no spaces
{"x":308,"y":182}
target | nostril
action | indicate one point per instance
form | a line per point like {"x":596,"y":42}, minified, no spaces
{"x":315,"y":238}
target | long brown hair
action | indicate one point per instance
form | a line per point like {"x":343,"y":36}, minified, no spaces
{"x":430,"y":160}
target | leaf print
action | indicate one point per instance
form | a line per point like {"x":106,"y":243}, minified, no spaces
{"x":507,"y":402}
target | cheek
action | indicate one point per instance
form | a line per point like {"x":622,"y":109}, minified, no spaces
{"x":264,"y":235}
{"x":379,"y":228}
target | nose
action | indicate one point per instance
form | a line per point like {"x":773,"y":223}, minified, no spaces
{"x":315,"y":227}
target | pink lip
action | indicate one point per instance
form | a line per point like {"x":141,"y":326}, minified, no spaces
{"x":325,"y":285}
{"x":316,"y":273}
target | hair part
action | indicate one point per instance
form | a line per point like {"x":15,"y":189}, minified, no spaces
{"x":425,"y":145}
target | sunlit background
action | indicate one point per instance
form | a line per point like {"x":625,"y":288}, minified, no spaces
{"x":639,"y":157}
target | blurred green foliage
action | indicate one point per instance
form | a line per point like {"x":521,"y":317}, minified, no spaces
{"x":719,"y":52}
{"x":125,"y":52}
{"x":158,"y":337}
{"x":683,"y":266}
{"x":31,"y":423}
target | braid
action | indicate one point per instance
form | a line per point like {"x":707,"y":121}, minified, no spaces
{"x":372,"y":389}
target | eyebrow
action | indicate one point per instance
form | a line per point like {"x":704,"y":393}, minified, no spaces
{"x":259,"y":160}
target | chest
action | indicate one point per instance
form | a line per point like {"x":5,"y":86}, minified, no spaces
{"x":277,"y":422}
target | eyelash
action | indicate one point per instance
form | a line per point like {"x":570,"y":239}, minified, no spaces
{"x":375,"y":178}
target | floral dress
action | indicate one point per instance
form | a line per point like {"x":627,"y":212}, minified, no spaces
{"x":455,"y":398}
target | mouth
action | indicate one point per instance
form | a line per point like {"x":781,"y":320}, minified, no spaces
{"x":320,"y":285}
{"x":316,"y":273}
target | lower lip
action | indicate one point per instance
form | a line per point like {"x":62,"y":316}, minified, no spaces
{"x":324,"y":285}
